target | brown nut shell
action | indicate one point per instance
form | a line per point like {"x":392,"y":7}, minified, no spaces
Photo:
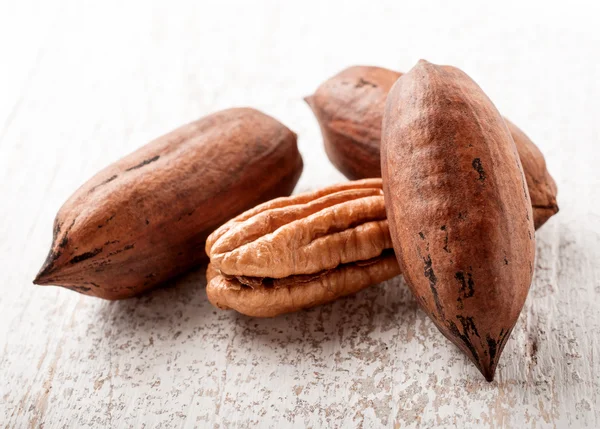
{"x":542,"y":187}
{"x":297,"y":252}
{"x":145,"y":218}
{"x":349,"y":108}
{"x":458,"y":208}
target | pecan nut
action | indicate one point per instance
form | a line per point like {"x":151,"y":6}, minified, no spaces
{"x":458,"y":207}
{"x":301,"y":251}
{"x":144,"y":219}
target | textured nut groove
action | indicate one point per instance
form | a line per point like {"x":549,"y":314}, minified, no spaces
{"x":296,"y":252}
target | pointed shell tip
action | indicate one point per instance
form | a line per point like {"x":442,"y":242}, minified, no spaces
{"x":43,"y":277}
{"x":488,"y":373}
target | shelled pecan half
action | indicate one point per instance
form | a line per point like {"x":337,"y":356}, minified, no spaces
{"x":297,"y":252}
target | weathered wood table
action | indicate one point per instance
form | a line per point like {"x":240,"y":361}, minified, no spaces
{"x":83,"y":84}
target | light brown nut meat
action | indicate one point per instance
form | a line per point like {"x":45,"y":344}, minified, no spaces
{"x":145,"y":218}
{"x":297,"y":252}
{"x":458,"y":208}
{"x":349,"y":108}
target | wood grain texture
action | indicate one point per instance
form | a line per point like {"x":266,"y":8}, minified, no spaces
{"x":89,"y":83}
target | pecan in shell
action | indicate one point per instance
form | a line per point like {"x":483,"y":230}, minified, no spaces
{"x":458,"y":207}
{"x":349,"y":108}
{"x":145,"y":218}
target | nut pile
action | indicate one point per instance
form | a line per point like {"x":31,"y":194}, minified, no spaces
{"x":450,"y":195}
{"x":349,"y":108}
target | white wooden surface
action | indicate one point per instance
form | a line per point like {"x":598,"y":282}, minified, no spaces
{"x":82,"y":84}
